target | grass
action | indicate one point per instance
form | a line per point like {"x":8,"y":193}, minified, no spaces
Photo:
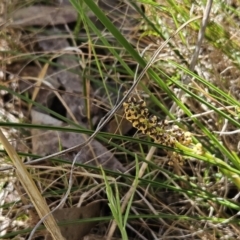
{"x":196,"y":197}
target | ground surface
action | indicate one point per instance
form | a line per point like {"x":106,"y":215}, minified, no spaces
{"x":62,"y":73}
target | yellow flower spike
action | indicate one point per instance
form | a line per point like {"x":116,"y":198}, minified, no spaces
{"x":170,"y":135}
{"x":198,"y":149}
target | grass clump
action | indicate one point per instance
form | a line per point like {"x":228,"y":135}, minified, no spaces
{"x":173,"y":75}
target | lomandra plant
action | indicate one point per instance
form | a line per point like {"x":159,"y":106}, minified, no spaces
{"x":171,"y":135}
{"x":198,"y":143}
{"x":157,"y":205}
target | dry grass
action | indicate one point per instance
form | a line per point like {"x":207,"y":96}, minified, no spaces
{"x":187,"y":72}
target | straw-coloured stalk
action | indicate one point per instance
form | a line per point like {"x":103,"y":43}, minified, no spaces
{"x":31,"y":189}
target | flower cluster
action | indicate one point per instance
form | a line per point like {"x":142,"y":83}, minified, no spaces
{"x":160,"y":130}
